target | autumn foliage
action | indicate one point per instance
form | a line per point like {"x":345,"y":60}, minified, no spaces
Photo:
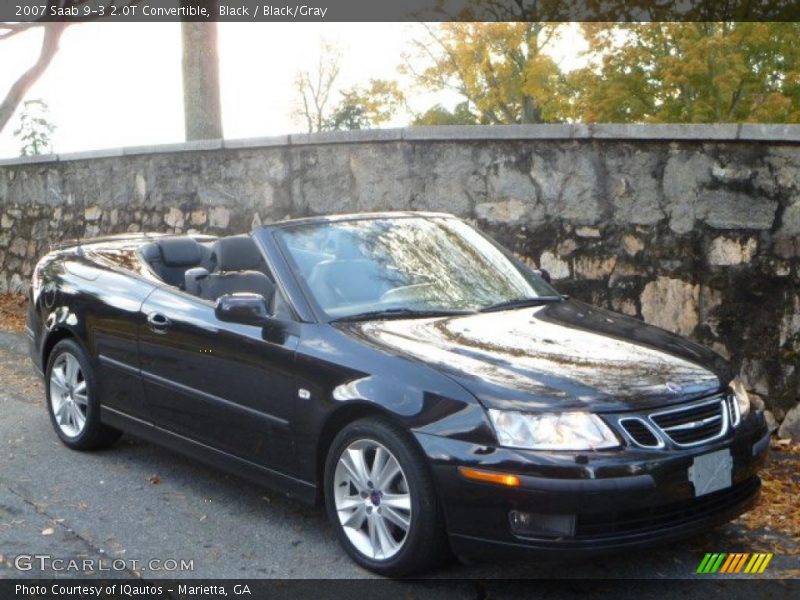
{"x":12,"y":312}
{"x":690,"y":73}
{"x":635,"y":72}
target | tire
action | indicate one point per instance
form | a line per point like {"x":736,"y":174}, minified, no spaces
{"x":423,"y":543}
{"x":72,"y":401}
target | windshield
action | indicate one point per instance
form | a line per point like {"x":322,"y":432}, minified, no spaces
{"x":405,"y":265}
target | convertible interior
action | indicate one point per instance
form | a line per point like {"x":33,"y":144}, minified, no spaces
{"x":209,"y":270}
{"x":338,"y":271}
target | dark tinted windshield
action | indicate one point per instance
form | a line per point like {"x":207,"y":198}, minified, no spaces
{"x":421,"y":264}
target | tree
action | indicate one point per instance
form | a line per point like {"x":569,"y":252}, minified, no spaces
{"x":690,"y":73}
{"x":50,"y":39}
{"x":622,"y":11}
{"x":314,"y":88}
{"x":35,"y":129}
{"x":500,"y":69}
{"x":200,"y":63}
{"x":16,"y":94}
{"x":362,"y":107}
{"x":202,"y":108}
{"x":439,"y":115}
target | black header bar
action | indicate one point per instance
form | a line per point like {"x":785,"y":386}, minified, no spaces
{"x":386,"y":589}
{"x":24,"y":11}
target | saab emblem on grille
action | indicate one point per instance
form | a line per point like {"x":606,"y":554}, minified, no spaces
{"x":673,"y":387}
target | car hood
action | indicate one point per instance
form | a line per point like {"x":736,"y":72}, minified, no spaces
{"x":561,"y":356}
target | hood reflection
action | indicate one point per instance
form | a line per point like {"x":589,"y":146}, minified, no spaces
{"x":568,"y":354}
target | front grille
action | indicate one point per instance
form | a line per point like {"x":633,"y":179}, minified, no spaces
{"x":733,"y":409}
{"x":694,"y":424}
{"x":667,"y":515}
{"x":640,"y":432}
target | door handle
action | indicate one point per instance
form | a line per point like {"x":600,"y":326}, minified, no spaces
{"x":158,"y":322}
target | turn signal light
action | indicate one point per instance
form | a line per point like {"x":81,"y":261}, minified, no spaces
{"x":489,"y":476}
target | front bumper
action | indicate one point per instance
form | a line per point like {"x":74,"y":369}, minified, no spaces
{"x":615,"y":500}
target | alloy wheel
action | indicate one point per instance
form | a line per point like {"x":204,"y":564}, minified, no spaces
{"x":372,"y":499}
{"x":69,"y":395}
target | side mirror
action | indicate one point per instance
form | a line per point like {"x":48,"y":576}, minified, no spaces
{"x":544,"y":274}
{"x":244,"y":308}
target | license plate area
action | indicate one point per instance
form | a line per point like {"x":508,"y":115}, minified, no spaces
{"x":711,"y":472}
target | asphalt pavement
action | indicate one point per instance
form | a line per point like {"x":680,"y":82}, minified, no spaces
{"x":141,"y":503}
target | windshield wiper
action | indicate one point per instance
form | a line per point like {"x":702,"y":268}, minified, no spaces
{"x":391,"y":313}
{"x":522,"y":302}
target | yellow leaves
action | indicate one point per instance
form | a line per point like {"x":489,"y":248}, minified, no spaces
{"x":500,"y":68}
{"x":771,"y":107}
{"x":777,"y":507}
{"x":759,"y":32}
{"x":12,"y":312}
{"x":540,"y":70}
{"x":792,"y":77}
{"x":375,"y":103}
{"x":691,"y":72}
{"x":637,"y":72}
{"x":438,"y":115}
{"x":541,"y":78}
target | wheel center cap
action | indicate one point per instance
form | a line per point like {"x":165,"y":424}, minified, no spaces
{"x":375,"y":497}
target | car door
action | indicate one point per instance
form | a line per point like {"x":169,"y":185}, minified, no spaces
{"x":227,"y":385}
{"x":109,"y":302}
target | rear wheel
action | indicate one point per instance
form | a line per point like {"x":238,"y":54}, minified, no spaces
{"x":380,"y":499}
{"x":72,"y":399}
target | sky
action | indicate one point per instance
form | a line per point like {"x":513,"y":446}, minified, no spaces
{"x":119,"y":84}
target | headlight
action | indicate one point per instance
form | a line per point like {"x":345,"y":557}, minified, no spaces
{"x":742,"y":399}
{"x":563,"y":431}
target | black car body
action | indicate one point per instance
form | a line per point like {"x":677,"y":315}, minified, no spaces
{"x":265,"y":393}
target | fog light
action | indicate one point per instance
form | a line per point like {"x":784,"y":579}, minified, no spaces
{"x":538,"y":525}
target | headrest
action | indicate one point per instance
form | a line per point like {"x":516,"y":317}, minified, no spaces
{"x":180,"y":252}
{"x":236,"y":253}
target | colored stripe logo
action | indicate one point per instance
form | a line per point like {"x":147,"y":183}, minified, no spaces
{"x":737,"y":562}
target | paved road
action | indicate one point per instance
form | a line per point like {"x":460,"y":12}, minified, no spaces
{"x":139,"y":502}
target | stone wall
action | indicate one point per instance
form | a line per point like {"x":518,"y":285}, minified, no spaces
{"x":693,"y":228}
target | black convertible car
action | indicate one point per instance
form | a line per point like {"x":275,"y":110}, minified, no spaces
{"x":433,"y":391}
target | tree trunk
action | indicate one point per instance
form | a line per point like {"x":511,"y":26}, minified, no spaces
{"x":530,"y":112}
{"x":15,"y":95}
{"x":201,"y":96}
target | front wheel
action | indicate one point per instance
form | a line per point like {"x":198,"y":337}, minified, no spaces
{"x":381,"y":500}
{"x":72,"y":399}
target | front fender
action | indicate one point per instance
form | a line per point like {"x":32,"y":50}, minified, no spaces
{"x":337,"y":375}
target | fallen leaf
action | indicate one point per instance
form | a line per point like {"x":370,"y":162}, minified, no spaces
{"x":154,"y":479}
{"x":776,"y":510}
{"x":12,"y":312}
{"x":48,"y":531}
